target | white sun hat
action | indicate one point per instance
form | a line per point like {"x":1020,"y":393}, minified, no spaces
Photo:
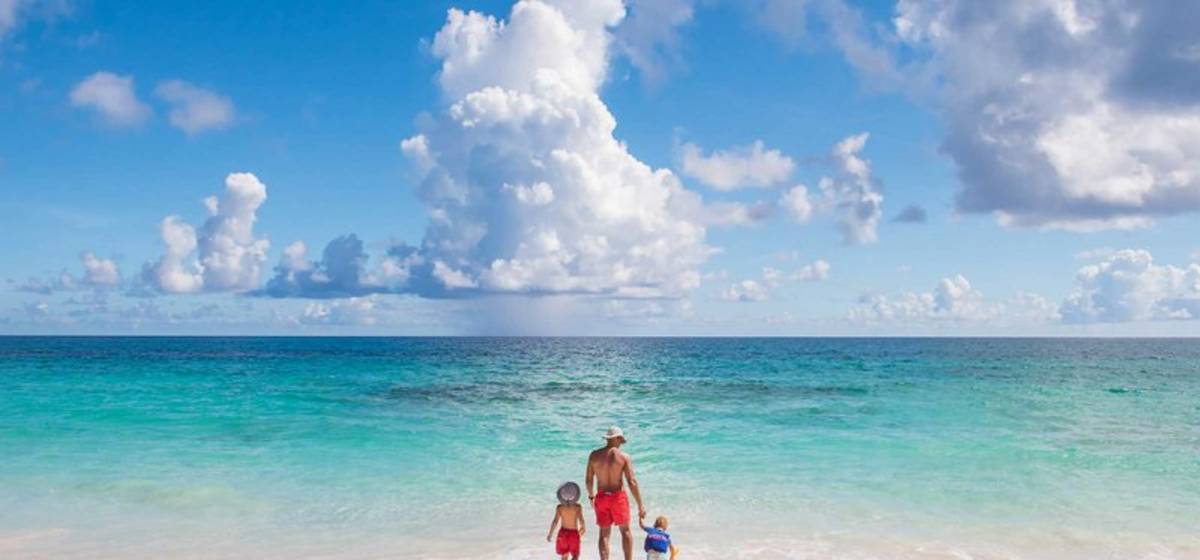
{"x":615,"y":432}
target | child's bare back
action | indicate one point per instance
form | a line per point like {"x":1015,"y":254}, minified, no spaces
{"x":570,"y":514}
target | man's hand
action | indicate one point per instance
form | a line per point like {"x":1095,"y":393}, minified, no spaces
{"x":547,"y":538}
{"x":641,"y":511}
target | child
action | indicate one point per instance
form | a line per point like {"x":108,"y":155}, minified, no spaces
{"x":658,"y":541}
{"x":570,"y":514}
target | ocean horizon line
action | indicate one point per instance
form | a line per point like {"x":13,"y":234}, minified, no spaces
{"x":608,"y":336}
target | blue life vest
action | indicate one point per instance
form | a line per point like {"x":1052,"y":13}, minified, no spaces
{"x":657,"y":540}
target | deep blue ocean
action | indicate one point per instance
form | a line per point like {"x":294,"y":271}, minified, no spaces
{"x":451,"y":448}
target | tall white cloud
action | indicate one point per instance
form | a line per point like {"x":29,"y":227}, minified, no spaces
{"x":527,"y":187}
{"x":747,"y":166}
{"x":194,"y":109}
{"x":1128,"y":286}
{"x":568,"y":39}
{"x":225,"y":255}
{"x":113,"y":97}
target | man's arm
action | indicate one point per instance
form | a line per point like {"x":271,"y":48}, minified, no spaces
{"x":633,"y":487}
{"x":554,"y":523}
{"x":590,"y":479}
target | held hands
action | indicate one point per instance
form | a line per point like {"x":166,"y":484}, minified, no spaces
{"x":641,"y":512}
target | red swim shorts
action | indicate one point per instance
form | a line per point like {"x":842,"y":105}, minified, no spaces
{"x":612,"y":508}
{"x":567,"y":543}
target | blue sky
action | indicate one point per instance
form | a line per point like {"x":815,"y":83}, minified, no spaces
{"x":559,"y":167}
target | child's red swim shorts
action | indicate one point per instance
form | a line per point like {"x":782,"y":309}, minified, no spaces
{"x":567,"y":543}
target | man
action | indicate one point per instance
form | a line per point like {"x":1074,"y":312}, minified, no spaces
{"x":611,"y":468}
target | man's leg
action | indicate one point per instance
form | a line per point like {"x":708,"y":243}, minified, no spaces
{"x":627,"y":541}
{"x":602,"y":542}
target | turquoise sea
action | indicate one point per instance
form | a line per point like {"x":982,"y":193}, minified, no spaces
{"x":451,"y":448}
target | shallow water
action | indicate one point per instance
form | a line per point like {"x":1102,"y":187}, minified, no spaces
{"x":451,"y":448}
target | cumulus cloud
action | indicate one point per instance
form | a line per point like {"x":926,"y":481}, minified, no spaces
{"x":747,"y":166}
{"x":1059,"y":113}
{"x":797,"y":203}
{"x":852,"y":193}
{"x":341,"y":272}
{"x":758,"y":289}
{"x":194,"y":109}
{"x":725,"y":214}
{"x":15,"y":13}
{"x":650,"y":35}
{"x":112,"y":96}
{"x":1062,"y":113}
{"x":225,"y":255}
{"x":361,"y":311}
{"x":46,"y":286}
{"x":527,"y":188}
{"x":954,"y":300}
{"x":568,"y":39}
{"x":815,"y":271}
{"x":911,"y":214}
{"x":1128,"y":286}
{"x":746,"y":290}
{"x":97,"y":273}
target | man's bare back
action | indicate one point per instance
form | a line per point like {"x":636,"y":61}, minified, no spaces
{"x":609,"y":464}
